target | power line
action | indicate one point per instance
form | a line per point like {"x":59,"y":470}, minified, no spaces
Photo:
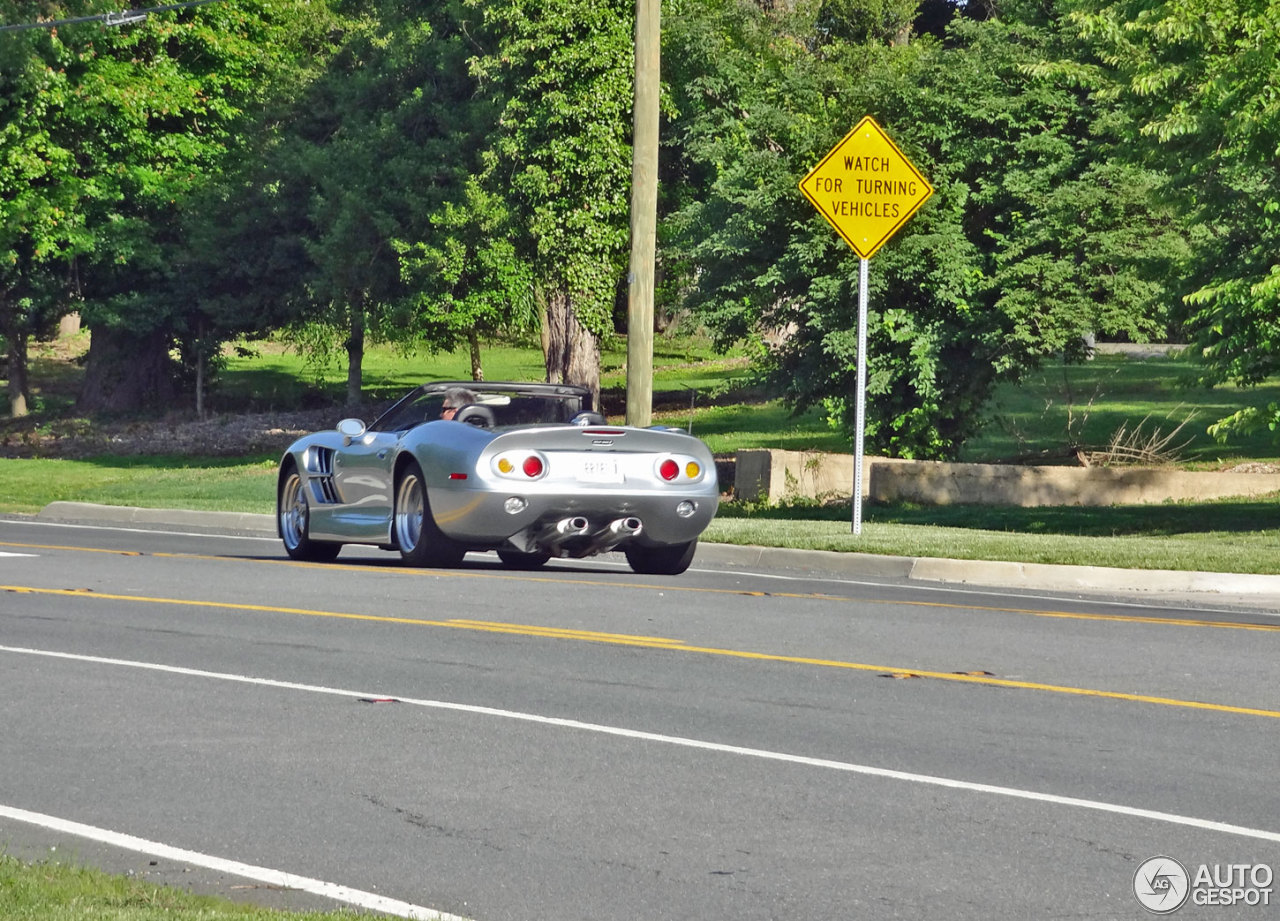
{"x":122,"y":18}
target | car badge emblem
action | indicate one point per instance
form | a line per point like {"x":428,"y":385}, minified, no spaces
{"x":603,"y":442}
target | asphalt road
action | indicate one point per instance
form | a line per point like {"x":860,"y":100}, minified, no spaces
{"x":584,"y":743}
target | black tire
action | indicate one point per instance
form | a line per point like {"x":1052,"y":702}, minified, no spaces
{"x":293,"y":519}
{"x":661,"y":561}
{"x":419,"y":538}
{"x":515,"y":559}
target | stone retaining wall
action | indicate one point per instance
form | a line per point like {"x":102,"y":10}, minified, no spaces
{"x":775,"y":476}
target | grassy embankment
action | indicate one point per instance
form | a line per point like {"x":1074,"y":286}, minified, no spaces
{"x":1066,"y":405}
{"x":59,"y":891}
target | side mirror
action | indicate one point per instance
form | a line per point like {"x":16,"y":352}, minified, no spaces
{"x":350,"y":430}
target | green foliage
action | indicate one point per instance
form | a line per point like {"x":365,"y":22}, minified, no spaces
{"x":1201,"y":82}
{"x":468,"y":276}
{"x":384,"y":169}
{"x":1025,"y":248}
{"x":1247,"y":421}
{"x":1062,"y":407}
{"x":732,"y":427}
{"x":42,"y":194}
{"x":280,"y":377}
{"x":559,"y":75}
{"x":131,"y":123}
{"x":165,"y":100}
{"x":860,"y":21}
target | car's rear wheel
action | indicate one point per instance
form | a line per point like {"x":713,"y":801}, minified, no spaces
{"x":515,"y":559}
{"x":294,"y":516}
{"x":670,"y":560}
{"x":419,"y":538}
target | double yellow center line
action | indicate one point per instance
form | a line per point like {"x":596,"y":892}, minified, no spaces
{"x":662,"y":643}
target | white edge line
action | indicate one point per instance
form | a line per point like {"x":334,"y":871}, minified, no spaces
{"x":339,"y":893}
{"x":641,"y":735}
{"x":71,"y":525}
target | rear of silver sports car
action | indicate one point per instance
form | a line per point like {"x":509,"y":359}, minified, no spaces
{"x":576,"y":491}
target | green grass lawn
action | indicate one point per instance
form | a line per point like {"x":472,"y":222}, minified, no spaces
{"x":1086,"y":403}
{"x":731,"y":428}
{"x":152,"y":481}
{"x":55,"y":891}
{"x":1231,"y":535}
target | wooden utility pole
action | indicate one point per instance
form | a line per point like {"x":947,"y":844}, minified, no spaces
{"x":644,"y":214}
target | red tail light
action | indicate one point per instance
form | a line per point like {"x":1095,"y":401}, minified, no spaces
{"x":532,"y":466}
{"x":668,"y":469}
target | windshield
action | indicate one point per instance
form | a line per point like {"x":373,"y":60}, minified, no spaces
{"x":510,"y":406}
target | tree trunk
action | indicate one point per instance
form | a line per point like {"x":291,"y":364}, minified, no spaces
{"x":198,"y":347}
{"x":355,"y":352}
{"x":573,"y":352}
{"x":19,"y":384}
{"x":477,"y":369}
{"x":544,"y":329}
{"x":199,"y":385}
{"x":127,"y":372}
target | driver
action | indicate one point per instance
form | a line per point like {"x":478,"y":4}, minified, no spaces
{"x":454,"y":399}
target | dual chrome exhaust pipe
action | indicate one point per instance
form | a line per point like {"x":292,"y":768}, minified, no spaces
{"x":575,"y":535}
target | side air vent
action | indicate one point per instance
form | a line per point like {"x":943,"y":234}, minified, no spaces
{"x":320,"y":475}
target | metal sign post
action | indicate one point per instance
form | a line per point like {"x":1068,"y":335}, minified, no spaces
{"x":861,"y":415}
{"x":867,"y":189}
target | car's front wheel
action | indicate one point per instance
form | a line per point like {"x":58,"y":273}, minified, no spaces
{"x":419,"y":538}
{"x":670,"y":560}
{"x":293,"y":515}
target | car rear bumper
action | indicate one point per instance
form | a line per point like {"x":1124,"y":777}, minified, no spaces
{"x":483,"y":518}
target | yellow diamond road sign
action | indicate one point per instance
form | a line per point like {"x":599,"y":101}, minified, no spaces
{"x":866,"y":188}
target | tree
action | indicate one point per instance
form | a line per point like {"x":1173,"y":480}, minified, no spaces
{"x":559,"y":74}
{"x":860,"y":21}
{"x":362,"y":192}
{"x":1201,"y":82}
{"x":41,"y":196}
{"x":468,"y":279}
{"x":1020,"y":253}
{"x":237,"y":263}
{"x":143,"y":115}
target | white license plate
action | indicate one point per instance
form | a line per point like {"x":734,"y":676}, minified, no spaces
{"x":603,"y":470}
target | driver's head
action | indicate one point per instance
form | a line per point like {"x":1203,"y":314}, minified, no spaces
{"x":454,"y":399}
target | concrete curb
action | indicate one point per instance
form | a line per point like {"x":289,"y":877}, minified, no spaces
{"x":1093,"y":578}
{"x":991,"y":573}
{"x":122,"y":514}
{"x":998,"y":574}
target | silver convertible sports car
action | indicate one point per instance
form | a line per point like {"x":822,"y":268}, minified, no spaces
{"x":528,"y":470}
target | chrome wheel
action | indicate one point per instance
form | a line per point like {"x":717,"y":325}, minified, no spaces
{"x":293,"y":512}
{"x":293,"y":517}
{"x":420,"y":540}
{"x":409,"y":512}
